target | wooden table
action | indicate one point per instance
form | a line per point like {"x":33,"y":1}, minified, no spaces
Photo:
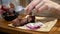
{"x":4,"y":28}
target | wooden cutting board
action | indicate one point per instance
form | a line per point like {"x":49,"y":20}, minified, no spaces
{"x":48,"y":21}
{"x":49,"y":25}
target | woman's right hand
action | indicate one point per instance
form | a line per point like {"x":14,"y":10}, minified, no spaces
{"x":41,"y":5}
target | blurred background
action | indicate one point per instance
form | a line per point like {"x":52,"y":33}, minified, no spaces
{"x":24,"y":3}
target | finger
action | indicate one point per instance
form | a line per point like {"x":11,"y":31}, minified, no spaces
{"x":32,"y":5}
{"x":39,"y":5}
{"x":44,"y":7}
{"x":28,"y":6}
{"x":34,"y":2}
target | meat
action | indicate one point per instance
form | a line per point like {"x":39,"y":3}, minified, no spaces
{"x":19,"y":22}
{"x":31,"y":19}
{"x":22,"y":22}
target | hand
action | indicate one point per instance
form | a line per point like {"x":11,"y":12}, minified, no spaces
{"x":41,"y":5}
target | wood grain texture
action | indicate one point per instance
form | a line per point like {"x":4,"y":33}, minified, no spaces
{"x":4,"y":27}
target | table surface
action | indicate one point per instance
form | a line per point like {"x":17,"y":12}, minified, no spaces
{"x":4,"y":27}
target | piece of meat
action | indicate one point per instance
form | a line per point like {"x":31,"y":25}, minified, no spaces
{"x":31,"y":19}
{"x":21,"y":22}
{"x":16,"y":22}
